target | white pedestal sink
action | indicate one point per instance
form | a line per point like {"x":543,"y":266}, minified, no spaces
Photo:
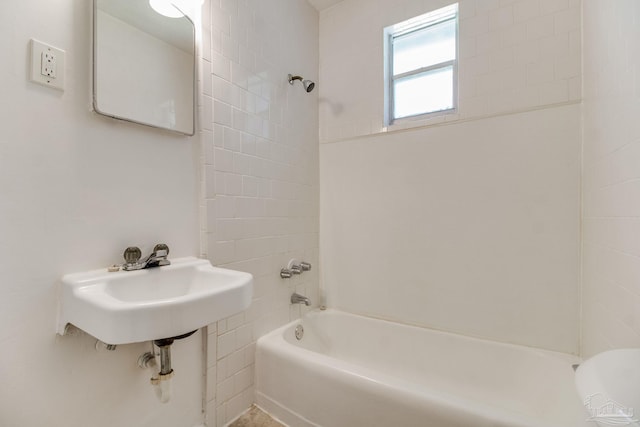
{"x":162,"y":302}
{"x":609,"y":385}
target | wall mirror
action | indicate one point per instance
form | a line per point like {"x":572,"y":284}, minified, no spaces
{"x":144,"y":64}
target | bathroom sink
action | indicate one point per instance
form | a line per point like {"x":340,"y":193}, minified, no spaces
{"x":162,"y":302}
{"x":609,"y":385}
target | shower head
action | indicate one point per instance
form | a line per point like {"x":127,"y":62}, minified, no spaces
{"x":307,"y":84}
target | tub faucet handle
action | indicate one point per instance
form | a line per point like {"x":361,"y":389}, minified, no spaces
{"x":305,"y":266}
{"x":285,"y":273}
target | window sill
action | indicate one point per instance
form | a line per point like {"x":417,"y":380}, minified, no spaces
{"x":423,"y":120}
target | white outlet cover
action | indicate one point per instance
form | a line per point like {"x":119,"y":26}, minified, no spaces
{"x":38,"y":51}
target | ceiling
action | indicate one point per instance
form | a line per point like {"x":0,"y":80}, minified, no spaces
{"x":323,"y":4}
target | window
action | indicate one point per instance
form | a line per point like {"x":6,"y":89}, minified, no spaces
{"x":422,"y":66}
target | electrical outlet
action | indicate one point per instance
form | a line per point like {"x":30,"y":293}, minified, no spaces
{"x":47,"y":65}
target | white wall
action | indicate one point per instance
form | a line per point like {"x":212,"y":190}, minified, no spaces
{"x":471,"y":226}
{"x":74,"y":192}
{"x":611,"y":272}
{"x":260,"y":176}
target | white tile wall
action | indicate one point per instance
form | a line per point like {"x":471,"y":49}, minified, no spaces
{"x":611,"y":264}
{"x":260,"y":176}
{"x":472,"y":227}
{"x":514,"y":55}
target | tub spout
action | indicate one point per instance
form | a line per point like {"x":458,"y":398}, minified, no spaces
{"x":299,"y":299}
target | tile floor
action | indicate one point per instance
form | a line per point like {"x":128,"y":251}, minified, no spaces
{"x":255,"y":417}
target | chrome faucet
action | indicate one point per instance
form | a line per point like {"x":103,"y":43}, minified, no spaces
{"x":157,"y":258}
{"x":299,"y":299}
{"x":293,"y":268}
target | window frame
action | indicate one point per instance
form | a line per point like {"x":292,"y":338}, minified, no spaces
{"x":405,"y":28}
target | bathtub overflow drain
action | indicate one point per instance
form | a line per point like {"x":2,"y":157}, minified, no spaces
{"x":299,"y":332}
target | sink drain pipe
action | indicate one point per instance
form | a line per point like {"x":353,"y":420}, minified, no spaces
{"x":161,"y":381}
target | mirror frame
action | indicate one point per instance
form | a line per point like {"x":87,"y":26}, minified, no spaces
{"x":94,"y":23}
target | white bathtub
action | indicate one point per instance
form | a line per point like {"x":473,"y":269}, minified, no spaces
{"x":355,"y":371}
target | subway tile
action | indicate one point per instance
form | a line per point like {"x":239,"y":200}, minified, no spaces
{"x":223,"y":90}
{"x":513,"y":36}
{"x":222,"y":252}
{"x":250,"y":186}
{"x":485,"y":6}
{"x":553,"y":6}
{"x":501,"y":18}
{"x":542,"y":26}
{"x":215,"y":180}
{"x":555,"y":46}
{"x":238,"y":404}
{"x":243,"y":379}
{"x":256,"y":128}
{"x":230,"y":50}
{"x":223,"y":160}
{"x":235,"y":363}
{"x":254,"y":248}
{"x":211,"y":383}
{"x":540,"y":72}
{"x":224,"y":207}
{"x":210,"y":181}
{"x":501,"y":59}
{"x":241,"y":164}
{"x":226,"y":344}
{"x":567,"y":20}
{"x":554,"y":92}
{"x":568,"y":67}
{"x":244,"y":336}
{"x":222,"y":113}
{"x":220,"y":415}
{"x":225,"y":390}
{"x":232,"y":184}
{"x":218,"y":135}
{"x":248,"y":143}
{"x":207,"y":113}
{"x":474,"y":26}
{"x":239,"y":75}
{"x":207,"y":39}
{"x":525,"y":10}
{"x":206,"y":137}
{"x":206,"y":78}
{"x":221,"y":66}
{"x":212,"y":351}
{"x":235,"y":321}
{"x":219,"y":19}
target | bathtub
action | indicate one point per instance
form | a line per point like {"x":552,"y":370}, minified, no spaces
{"x":355,"y":371}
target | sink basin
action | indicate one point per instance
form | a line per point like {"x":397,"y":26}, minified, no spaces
{"x":162,"y":302}
{"x":609,"y":385}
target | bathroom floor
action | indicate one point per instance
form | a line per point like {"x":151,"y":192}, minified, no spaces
{"x":255,"y":417}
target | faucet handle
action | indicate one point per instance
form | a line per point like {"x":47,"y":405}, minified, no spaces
{"x":305,"y":266}
{"x":285,"y":273}
{"x":132,"y":255}
{"x":161,"y":249}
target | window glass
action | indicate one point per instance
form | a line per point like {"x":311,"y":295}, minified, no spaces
{"x":425,"y":47}
{"x":424,"y":93}
{"x":422,"y":68}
